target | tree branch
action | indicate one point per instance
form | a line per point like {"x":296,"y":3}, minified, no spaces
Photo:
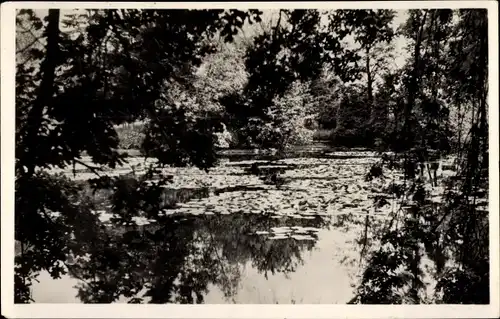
{"x":94,"y":169}
{"x":30,"y":31}
{"x":28,"y":46}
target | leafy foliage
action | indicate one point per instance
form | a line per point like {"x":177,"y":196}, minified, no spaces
{"x":82,"y":75}
{"x":352,"y":119}
{"x":108,"y":67}
{"x":460,"y":248}
{"x":130,"y":136}
{"x":294,"y":50}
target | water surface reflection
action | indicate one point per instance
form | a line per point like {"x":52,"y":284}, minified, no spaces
{"x":243,"y":242}
{"x":190,"y":258}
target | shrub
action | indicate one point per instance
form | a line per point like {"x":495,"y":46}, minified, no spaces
{"x":131,"y":136}
{"x":287,"y":121}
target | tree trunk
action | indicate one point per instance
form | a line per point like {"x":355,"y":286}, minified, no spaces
{"x":412,"y":89}
{"x":45,"y":93}
{"x":435,"y":46}
{"x":369,"y":77}
{"x":483,"y":73}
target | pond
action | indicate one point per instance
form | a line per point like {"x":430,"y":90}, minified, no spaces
{"x":231,"y":237}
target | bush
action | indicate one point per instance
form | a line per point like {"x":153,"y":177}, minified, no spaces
{"x":353,"y":119}
{"x":131,"y":136}
{"x":284,"y":122}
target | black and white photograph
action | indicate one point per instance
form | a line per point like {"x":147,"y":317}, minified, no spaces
{"x":251,"y":154}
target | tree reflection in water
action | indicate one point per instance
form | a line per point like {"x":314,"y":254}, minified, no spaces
{"x":176,"y":259}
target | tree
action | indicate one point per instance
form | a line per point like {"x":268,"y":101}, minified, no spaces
{"x":465,"y":211}
{"x":325,"y":93}
{"x":288,"y":115}
{"x":453,"y":232}
{"x":390,"y":100}
{"x":430,"y":31}
{"x":369,"y":28}
{"x":353,"y":119}
{"x":295,"y":49}
{"x":109,"y":68}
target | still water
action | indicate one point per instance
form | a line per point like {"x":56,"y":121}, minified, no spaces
{"x":230,"y":237}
